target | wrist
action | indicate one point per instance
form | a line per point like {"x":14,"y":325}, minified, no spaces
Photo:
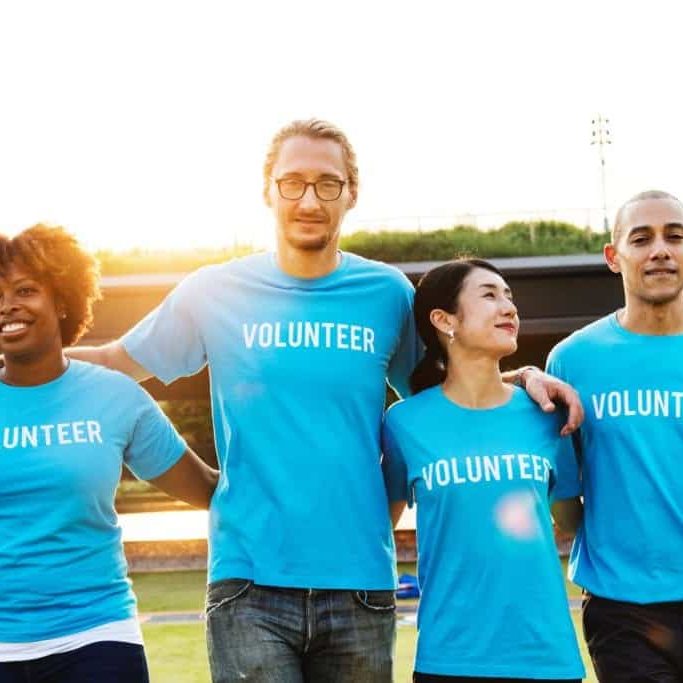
{"x":522,"y":374}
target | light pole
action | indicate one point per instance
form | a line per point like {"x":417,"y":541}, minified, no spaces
{"x":602,"y":137}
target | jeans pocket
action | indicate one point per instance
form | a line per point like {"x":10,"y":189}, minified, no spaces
{"x":225,"y":592}
{"x":376,"y":601}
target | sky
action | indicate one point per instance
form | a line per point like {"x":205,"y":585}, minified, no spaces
{"x":144,"y":124}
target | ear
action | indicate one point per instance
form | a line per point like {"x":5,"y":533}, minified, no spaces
{"x":266,"y":196}
{"x":442,"y":320}
{"x":60,"y":308}
{"x":611,"y":258}
{"x":353,"y":198}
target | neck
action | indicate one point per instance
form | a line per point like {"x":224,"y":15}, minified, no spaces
{"x":30,"y":372}
{"x":475,"y":381}
{"x":645,"y":318}
{"x":304,"y":263}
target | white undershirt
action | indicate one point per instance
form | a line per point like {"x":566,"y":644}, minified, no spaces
{"x":123,"y":631}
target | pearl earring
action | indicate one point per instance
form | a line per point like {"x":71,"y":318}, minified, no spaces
{"x":451,"y":336}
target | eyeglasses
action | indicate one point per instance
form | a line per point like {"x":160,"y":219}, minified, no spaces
{"x":327,"y":189}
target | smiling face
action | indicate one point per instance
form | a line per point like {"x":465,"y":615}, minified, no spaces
{"x":29,"y":317}
{"x":486,"y":319}
{"x":649,"y":251}
{"x":309,"y":223}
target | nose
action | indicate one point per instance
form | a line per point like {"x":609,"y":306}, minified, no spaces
{"x":509,"y":308}
{"x":309,"y":199}
{"x":660,"y":249}
{"x":7,"y":305}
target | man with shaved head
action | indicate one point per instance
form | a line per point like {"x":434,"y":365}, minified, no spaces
{"x":628,"y":552}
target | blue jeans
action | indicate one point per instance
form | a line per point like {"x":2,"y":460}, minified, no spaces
{"x":105,"y":662}
{"x":263,"y":634}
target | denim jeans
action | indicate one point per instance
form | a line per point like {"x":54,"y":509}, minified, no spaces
{"x":263,"y":634}
{"x":105,"y":662}
{"x":632,"y":642}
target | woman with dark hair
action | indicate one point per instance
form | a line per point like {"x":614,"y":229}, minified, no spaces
{"x":67,"y":612}
{"x":482,"y":462}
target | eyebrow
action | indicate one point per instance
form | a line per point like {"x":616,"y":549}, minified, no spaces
{"x":667,"y":226}
{"x":490,"y":285}
{"x":300,"y":175}
{"x":25,"y":279}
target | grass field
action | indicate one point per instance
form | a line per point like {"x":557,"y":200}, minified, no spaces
{"x":177,"y":653}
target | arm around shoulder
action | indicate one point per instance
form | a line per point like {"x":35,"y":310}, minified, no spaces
{"x":113,"y":356}
{"x":568,"y":514}
{"x":396,"y":509}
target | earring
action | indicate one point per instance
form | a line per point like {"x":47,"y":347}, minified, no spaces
{"x":451,"y":336}
{"x":62,"y":316}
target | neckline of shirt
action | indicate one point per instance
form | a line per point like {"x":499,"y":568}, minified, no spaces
{"x":514,"y":395}
{"x":46,"y":386}
{"x":313,"y":282}
{"x":628,"y":334}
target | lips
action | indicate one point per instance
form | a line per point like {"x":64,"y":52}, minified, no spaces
{"x":661,"y":271}
{"x":310,"y":221}
{"x":508,"y":327}
{"x":13,"y":328}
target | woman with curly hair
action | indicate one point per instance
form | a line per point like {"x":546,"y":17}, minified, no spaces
{"x":67,"y":612}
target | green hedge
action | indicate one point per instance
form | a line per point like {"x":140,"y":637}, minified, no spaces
{"x":513,"y":239}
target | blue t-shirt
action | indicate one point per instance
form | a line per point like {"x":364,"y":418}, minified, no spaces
{"x":493,"y":598}
{"x":298,"y":369}
{"x":62,"y":446}
{"x":630,"y":545}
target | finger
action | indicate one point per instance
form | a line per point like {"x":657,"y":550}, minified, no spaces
{"x":547,"y":406}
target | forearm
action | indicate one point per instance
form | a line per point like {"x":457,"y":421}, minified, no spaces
{"x":112,"y":355}
{"x":396,"y":510}
{"x":190,"y":480}
{"x":568,"y":514}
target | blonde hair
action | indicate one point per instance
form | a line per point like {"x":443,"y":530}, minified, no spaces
{"x":318,"y":130}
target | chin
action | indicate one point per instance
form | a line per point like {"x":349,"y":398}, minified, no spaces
{"x":504,"y":350}
{"x":661,"y":298}
{"x":310,"y":243}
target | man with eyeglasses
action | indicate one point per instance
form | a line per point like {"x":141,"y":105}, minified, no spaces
{"x":299,"y":345}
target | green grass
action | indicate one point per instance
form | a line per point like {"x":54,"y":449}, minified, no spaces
{"x":176,"y":653}
{"x":170,"y":591}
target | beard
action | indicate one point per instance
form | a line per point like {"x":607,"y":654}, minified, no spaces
{"x":310,"y":242}
{"x":660,"y":299}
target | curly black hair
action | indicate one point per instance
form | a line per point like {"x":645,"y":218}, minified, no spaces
{"x":54,"y":257}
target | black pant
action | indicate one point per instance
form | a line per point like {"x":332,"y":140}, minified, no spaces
{"x":634,"y":643}
{"x":106,"y":662}
{"x":433,"y":678}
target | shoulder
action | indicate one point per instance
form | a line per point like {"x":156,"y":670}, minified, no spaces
{"x":381,"y":273}
{"x":413,"y":409}
{"x":597,"y":334}
{"x":216,"y":272}
{"x":527,"y":412}
{"x":98,"y":380}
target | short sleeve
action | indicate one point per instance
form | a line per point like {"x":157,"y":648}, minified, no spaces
{"x":155,"y":445}
{"x":553,"y":364}
{"x":168,"y":341}
{"x":408,"y":350}
{"x":567,"y":474}
{"x":394,"y":467}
